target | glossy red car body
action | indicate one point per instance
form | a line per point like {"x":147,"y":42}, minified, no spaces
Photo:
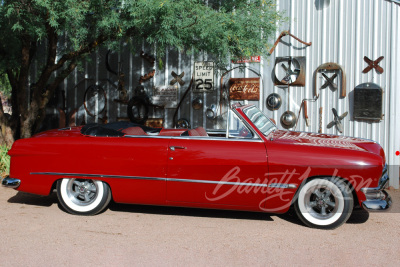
{"x":262,"y":173}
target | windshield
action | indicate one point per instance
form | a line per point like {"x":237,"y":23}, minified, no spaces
{"x":260,"y":120}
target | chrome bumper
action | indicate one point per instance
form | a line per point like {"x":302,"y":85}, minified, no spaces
{"x":377,"y":199}
{"x":10,"y":182}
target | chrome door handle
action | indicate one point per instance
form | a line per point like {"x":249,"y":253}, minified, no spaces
{"x":176,"y":147}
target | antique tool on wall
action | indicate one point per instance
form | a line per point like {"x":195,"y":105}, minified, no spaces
{"x":147,"y":76}
{"x":290,"y":71}
{"x":306,"y":114}
{"x":274,"y":101}
{"x":337,"y":121}
{"x":147,"y":57}
{"x":180,"y":102}
{"x":123,"y":94}
{"x":373,"y":65}
{"x":177,"y":78}
{"x":320,"y":119}
{"x":331,"y":66}
{"x":329,"y":81}
{"x":284,"y":33}
{"x":305,"y":111}
{"x":368,"y":99}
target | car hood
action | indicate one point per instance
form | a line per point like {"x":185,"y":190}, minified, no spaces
{"x":327,"y":140}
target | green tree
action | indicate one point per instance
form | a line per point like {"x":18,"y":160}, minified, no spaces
{"x":72,"y":29}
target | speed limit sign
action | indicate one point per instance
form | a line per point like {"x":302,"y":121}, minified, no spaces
{"x":204,"y":76}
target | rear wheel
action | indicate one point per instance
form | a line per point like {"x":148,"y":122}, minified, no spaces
{"x":324,"y":203}
{"x":83,"y":197}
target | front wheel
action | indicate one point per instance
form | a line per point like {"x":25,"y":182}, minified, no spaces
{"x":83,"y":197}
{"x":324,"y":203}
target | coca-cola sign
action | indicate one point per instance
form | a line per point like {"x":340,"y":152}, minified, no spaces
{"x":244,"y":88}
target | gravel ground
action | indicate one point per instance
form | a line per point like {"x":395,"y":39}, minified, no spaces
{"x":35,"y":232}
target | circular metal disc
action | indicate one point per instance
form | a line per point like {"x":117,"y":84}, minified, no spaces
{"x":182,"y":123}
{"x":197,"y":103}
{"x":288,"y":119}
{"x":274,"y":101}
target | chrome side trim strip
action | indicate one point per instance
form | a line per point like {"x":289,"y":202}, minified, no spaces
{"x":98,"y":175}
{"x":277,"y":185}
{"x":196,"y":138}
{"x":274,"y":185}
{"x":214,"y":182}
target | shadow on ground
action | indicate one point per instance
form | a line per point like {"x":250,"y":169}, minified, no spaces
{"x":358,"y":216}
{"x":193,"y":212}
{"x":35,"y":200}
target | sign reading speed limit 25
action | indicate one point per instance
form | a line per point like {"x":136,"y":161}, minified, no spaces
{"x":203,"y":76}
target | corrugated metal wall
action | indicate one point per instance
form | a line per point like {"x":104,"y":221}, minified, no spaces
{"x":341,"y":31}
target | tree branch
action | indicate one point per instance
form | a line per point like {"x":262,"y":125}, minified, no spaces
{"x":75,"y":54}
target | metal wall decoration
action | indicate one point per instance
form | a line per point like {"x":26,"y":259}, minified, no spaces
{"x":244,"y":88}
{"x":177,"y":78}
{"x":274,"y":101}
{"x":330,"y":66}
{"x":197,"y":103}
{"x":183,"y":123}
{"x":368,"y":98}
{"x":147,"y":76}
{"x":211,"y":111}
{"x":147,"y":57}
{"x":290,"y":71}
{"x":337,"y":121}
{"x":329,"y":81}
{"x":373,"y":65}
{"x":254,"y":59}
{"x":154,"y":122}
{"x":288,"y":119}
{"x":203,"y":76}
{"x":284,"y":33}
{"x":95,"y":102}
{"x":138,"y":109}
{"x":166,"y":96}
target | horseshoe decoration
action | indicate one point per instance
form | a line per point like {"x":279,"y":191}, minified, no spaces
{"x":373,"y":65}
{"x":331,"y":66}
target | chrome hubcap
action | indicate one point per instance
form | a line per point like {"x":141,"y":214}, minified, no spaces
{"x":321,"y":203}
{"x":82,"y":192}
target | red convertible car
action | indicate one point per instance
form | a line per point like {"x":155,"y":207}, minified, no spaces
{"x":249,"y":166}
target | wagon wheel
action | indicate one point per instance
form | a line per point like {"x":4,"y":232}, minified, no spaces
{"x":95,"y":100}
{"x":138,"y":109}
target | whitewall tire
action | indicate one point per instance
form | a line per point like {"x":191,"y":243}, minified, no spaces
{"x":83,"y":197}
{"x":324,"y":203}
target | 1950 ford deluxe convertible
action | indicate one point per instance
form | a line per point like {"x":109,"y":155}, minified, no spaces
{"x":249,"y":166}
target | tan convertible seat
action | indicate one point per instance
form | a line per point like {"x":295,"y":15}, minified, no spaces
{"x":134,"y":131}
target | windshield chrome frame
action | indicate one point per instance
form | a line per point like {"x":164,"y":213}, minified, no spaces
{"x":270,"y":131}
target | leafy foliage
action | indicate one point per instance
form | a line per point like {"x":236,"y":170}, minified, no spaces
{"x":58,"y":34}
{"x":222,"y":28}
{"x":4,"y":161}
{"x":5,"y":86}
